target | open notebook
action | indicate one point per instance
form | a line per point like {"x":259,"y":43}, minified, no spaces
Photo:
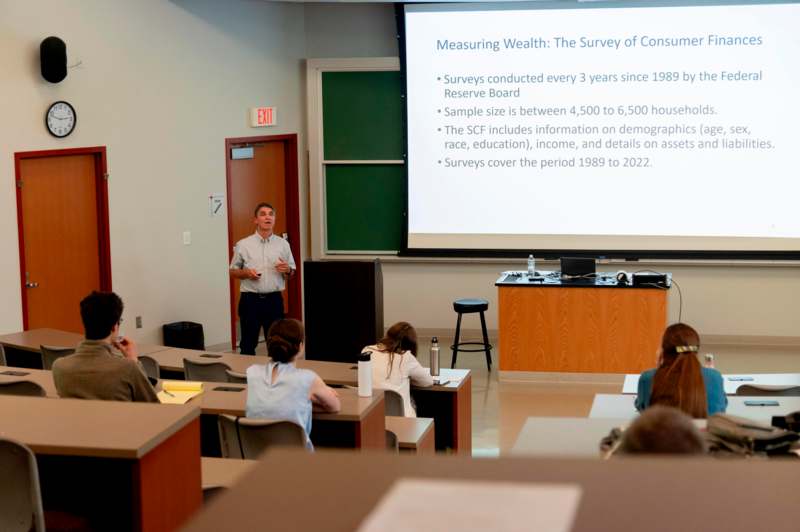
{"x":179,"y":392}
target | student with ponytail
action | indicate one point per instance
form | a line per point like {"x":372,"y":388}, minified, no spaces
{"x":279,"y":390}
{"x":395,"y":365}
{"x":679,"y":380}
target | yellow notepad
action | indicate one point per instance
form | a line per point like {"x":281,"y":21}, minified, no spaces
{"x":179,"y":392}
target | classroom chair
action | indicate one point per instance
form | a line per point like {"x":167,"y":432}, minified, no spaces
{"x":28,"y":388}
{"x":151,"y":367}
{"x":767,"y":389}
{"x":238,"y":378}
{"x":205,"y":371}
{"x":394,"y":403}
{"x":20,"y":496}
{"x":471,"y":306}
{"x":51,"y":354}
{"x":392,"y":445}
{"x":241,"y":437}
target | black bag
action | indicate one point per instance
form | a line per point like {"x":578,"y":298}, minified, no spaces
{"x":745,"y":437}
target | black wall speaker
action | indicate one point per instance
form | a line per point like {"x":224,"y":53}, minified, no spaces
{"x":53,"y":57}
{"x":343,"y":308}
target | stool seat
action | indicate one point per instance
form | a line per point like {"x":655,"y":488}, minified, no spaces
{"x":466,"y":306}
{"x":470,"y":306}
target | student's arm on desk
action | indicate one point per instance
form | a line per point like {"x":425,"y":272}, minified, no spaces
{"x":419,"y":376}
{"x":324,"y":396}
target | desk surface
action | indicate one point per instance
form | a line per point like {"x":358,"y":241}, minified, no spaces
{"x":564,"y":436}
{"x":621,"y":406}
{"x":409,"y":430}
{"x":731,"y":381}
{"x":79,"y":427}
{"x":224,"y":472}
{"x":31,"y":340}
{"x":613,"y":498}
{"x":553,"y":279}
{"x":337,"y":373}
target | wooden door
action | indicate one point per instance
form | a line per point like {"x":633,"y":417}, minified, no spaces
{"x":63,"y":229}
{"x":269,"y":176}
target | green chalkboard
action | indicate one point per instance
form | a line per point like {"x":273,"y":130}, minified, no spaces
{"x":362,"y":114}
{"x":364,"y":206}
{"x":362,"y":120}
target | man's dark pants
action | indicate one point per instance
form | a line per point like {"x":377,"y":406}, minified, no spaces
{"x":257,"y":311}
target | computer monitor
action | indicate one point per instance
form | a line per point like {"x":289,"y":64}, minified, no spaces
{"x":577,"y":267}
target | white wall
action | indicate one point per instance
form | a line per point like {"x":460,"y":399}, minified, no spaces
{"x":350,"y":30}
{"x":161,"y":84}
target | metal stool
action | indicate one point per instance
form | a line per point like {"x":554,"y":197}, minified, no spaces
{"x":470,"y":306}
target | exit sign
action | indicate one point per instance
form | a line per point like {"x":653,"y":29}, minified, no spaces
{"x":262,"y":116}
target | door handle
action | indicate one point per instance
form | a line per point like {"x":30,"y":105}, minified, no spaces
{"x":31,"y":285}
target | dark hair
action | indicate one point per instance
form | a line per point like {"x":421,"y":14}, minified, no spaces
{"x":283,"y":340}
{"x":662,"y":430}
{"x":100,"y":311}
{"x":261,"y":206}
{"x":679,"y":381}
{"x":400,"y":337}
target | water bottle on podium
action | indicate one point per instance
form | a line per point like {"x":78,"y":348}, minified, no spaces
{"x":365,"y":374}
{"x":531,"y":266}
{"x":435,"y":356}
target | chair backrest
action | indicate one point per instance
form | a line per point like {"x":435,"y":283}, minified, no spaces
{"x":22,"y":388}
{"x":205,"y":371}
{"x":51,"y":354}
{"x":394,"y":403}
{"x":20,"y":496}
{"x":392,"y":444}
{"x":764,"y":389}
{"x":242,"y":437}
{"x":3,"y":356}
{"x":238,"y":378}
{"x":151,"y":367}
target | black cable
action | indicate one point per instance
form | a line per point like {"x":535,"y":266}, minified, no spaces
{"x":673,"y":281}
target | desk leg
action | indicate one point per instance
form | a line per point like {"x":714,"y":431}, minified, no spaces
{"x":167,"y":482}
{"x":452,"y":416}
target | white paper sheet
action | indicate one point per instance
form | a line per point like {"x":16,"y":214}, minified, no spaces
{"x":474,"y":506}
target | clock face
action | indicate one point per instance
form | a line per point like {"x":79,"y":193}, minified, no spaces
{"x":61,"y":119}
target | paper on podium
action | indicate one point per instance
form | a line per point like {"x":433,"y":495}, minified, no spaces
{"x":179,"y":392}
{"x":417,"y":504}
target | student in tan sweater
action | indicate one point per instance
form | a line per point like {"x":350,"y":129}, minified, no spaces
{"x":97,"y":370}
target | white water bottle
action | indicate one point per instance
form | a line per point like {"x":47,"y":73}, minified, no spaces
{"x":531,"y":265}
{"x":435,"y":357}
{"x":365,"y":374}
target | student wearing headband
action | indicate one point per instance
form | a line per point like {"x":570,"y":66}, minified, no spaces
{"x":679,"y":380}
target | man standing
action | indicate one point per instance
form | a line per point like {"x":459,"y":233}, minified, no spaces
{"x":96,"y":370}
{"x":262,"y":261}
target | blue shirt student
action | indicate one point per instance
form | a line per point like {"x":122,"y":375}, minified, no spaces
{"x":716,"y":400}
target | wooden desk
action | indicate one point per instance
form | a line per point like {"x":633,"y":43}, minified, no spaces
{"x":20,"y":345}
{"x":126,"y":466}
{"x":414,"y":434}
{"x":564,"y":436}
{"x":580,"y":329}
{"x":621,"y":406}
{"x":450,"y":406}
{"x":359,"y":424}
{"x":614,"y":494}
{"x":731,"y":381}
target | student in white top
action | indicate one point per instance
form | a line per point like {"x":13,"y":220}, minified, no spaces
{"x":395,"y":365}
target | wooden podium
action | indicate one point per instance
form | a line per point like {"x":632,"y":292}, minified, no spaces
{"x":579,"y":328}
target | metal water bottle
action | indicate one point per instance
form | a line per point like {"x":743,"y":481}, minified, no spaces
{"x":435,"y":356}
{"x":365,"y":374}
{"x":531,"y":265}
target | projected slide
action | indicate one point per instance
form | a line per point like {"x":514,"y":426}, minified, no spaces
{"x":652,"y":128}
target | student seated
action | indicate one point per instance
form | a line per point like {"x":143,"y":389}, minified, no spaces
{"x":395,"y":365}
{"x":279,"y":390}
{"x":104,"y":366}
{"x":680,"y":380}
{"x":662,"y":430}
